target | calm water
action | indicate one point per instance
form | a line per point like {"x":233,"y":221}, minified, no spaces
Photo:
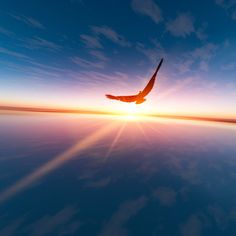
{"x":88,"y":175}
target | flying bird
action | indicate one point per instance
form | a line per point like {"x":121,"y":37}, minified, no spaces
{"x":138,"y":98}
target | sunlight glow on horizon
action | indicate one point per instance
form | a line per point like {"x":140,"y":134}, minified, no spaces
{"x":170,"y":101}
{"x":173,"y":100}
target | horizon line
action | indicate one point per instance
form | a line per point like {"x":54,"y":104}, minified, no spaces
{"x":96,"y":112}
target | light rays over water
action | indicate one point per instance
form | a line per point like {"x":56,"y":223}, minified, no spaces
{"x":67,"y":155}
{"x":117,"y":128}
{"x":115,"y":140}
{"x":56,"y":162}
{"x":140,"y":127}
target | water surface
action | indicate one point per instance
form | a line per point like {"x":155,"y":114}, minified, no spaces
{"x":100,"y":175}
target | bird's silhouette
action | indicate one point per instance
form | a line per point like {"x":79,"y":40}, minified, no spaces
{"x":138,"y":98}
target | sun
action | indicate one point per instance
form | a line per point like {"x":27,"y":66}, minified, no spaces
{"x":130,"y":112}
{"x":130,"y":117}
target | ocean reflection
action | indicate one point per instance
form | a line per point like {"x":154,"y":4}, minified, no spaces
{"x":100,"y":175}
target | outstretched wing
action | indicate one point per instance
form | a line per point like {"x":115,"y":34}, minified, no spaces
{"x":141,"y":95}
{"x":151,"y":82}
{"x":131,"y":98}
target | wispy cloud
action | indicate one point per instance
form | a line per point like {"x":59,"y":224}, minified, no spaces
{"x":40,"y":43}
{"x":111,"y":35}
{"x":201,"y":31}
{"x":229,"y":6}
{"x":99,"y":183}
{"x":99,"y":55}
{"x":28,"y":20}
{"x":6,"y":32}
{"x":63,"y":222}
{"x":193,"y":226}
{"x":185,"y":66}
{"x":152,"y":53}
{"x":94,"y":41}
{"x":203,"y":65}
{"x":11,"y":228}
{"x":229,"y":66}
{"x":34,"y":70}
{"x":205,"y":52}
{"x":165,"y":195}
{"x":183,"y":26}
{"x":88,"y":64}
{"x":201,"y":55}
{"x":90,"y":41}
{"x":115,"y":226}
{"x":99,"y":60}
{"x":60,"y":222}
{"x":118,"y":78}
{"x":148,"y":8}
{"x":12,"y":53}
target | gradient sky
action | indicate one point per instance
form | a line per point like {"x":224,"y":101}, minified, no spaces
{"x":69,"y":53}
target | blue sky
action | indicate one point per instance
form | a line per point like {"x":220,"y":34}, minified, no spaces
{"x":70,"y":53}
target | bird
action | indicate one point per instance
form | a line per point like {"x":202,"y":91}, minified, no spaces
{"x":140,"y":97}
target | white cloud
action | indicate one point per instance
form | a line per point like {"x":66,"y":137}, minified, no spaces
{"x":115,"y":226}
{"x":6,"y":32}
{"x":12,"y":53}
{"x":182,"y":26}
{"x":117,"y":78}
{"x":152,"y":53}
{"x":149,"y":8}
{"x":201,"y":55}
{"x":166,"y":196}
{"x":111,"y":35}
{"x":28,"y":20}
{"x":99,"y":55}
{"x":205,"y":52}
{"x":203,"y":65}
{"x":185,"y":66}
{"x":219,"y":2}
{"x":197,"y":59}
{"x":99,"y":183}
{"x":200,"y":32}
{"x":87,"y":64}
{"x":220,"y":216}
{"x":229,"y":6}
{"x":90,"y":41}
{"x":39,"y":43}
{"x":192,"y":226}
{"x":230,"y":66}
{"x":61,"y":222}
{"x":233,"y":15}
{"x":11,"y":228}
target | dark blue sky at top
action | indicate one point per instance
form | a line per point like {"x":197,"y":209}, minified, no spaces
{"x":85,"y":43}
